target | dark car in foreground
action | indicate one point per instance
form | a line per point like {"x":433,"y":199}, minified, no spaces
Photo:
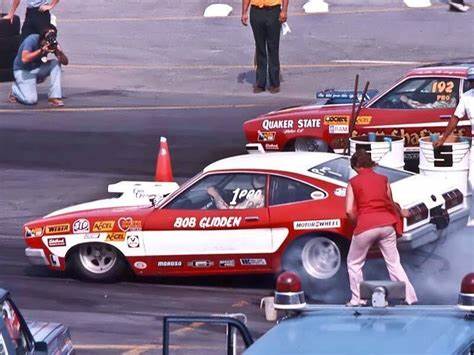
{"x":20,"y":337}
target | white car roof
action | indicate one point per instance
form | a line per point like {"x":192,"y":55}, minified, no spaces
{"x":294,"y":162}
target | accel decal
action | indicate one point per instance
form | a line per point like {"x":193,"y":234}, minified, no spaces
{"x":103,"y":226}
{"x":207,"y":222}
{"x":115,"y":237}
{"x":57,"y":229}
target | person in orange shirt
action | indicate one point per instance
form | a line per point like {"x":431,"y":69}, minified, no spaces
{"x":266,"y":17}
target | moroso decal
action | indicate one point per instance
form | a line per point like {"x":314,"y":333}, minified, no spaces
{"x":115,"y":237}
{"x":57,"y":229}
{"x":266,"y":136}
{"x":169,"y":263}
{"x":201,"y":264}
{"x":253,"y":262}
{"x":133,"y":241}
{"x":207,"y":222}
{"x":103,"y":226}
{"x":129,"y":224}
{"x":317,"y":224}
{"x":56,"y":242}
{"x":227,"y":263}
{"x":81,"y":226}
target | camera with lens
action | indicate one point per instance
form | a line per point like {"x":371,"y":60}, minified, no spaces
{"x":51,"y":40}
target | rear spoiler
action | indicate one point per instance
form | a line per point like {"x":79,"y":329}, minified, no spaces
{"x":337,"y":97}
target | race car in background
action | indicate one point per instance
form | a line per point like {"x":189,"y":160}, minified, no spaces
{"x":419,"y":104}
{"x":256,"y":213}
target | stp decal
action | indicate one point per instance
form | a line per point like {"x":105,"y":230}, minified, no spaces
{"x":317,"y":224}
{"x":81,"y":226}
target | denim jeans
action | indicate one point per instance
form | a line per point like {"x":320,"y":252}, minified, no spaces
{"x":24,"y":87}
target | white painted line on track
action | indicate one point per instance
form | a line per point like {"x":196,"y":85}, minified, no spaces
{"x":381,"y":62}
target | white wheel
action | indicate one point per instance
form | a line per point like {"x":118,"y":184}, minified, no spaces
{"x":310,"y":145}
{"x":321,"y":258}
{"x":97,"y":258}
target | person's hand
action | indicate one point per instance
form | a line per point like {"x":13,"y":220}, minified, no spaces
{"x":244,"y":19}
{"x":405,"y":213}
{"x":44,"y":8}
{"x":404,"y":98}
{"x":438,"y":143}
{"x":8,"y":17}
{"x":283,"y":16}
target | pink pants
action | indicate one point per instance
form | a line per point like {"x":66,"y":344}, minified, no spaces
{"x":386,"y":239}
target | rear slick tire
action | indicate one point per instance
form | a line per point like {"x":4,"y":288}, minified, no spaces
{"x":97,"y":262}
{"x":320,"y":261}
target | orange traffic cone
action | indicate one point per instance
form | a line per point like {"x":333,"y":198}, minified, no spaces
{"x":163,"y":172}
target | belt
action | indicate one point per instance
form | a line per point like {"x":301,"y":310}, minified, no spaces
{"x":265,"y":7}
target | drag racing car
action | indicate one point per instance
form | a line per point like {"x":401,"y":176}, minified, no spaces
{"x":20,"y":337}
{"x":383,"y":326}
{"x":256,"y":213}
{"x":419,"y":104}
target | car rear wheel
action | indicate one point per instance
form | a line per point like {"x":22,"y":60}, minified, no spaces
{"x":310,"y":145}
{"x":321,"y":263}
{"x":98,"y":262}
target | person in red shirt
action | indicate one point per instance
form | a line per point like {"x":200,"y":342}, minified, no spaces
{"x":369,"y":205}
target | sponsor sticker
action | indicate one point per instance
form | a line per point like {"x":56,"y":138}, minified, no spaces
{"x":54,"y":260}
{"x":317,"y":224}
{"x":266,"y":136}
{"x":339,"y":129}
{"x":340,"y":192}
{"x":272,"y":147}
{"x":103,"y":226}
{"x":330,"y":120}
{"x":115,"y":237}
{"x":253,"y":262}
{"x":207,"y":222}
{"x":227,"y":263}
{"x":290,"y":124}
{"x":201,"y":264}
{"x":133,"y":241}
{"x":81,"y":226}
{"x":92,"y":236}
{"x":57,"y":229}
{"x":34,"y":232}
{"x":56,"y":242}
{"x":140,"y":265}
{"x":170,"y":263}
{"x":129,"y":224}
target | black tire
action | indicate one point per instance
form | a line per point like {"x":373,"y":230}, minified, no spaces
{"x":8,"y":51}
{"x":6,"y":75}
{"x":8,"y":29}
{"x":76,"y":264}
{"x":334,"y":289}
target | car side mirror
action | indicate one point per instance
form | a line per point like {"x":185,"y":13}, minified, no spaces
{"x":318,"y":195}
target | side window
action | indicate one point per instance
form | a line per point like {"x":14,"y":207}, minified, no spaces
{"x":223,"y":191}
{"x":284,"y":190}
{"x":12,"y":322}
{"x":466,"y":86}
{"x":422,"y":93}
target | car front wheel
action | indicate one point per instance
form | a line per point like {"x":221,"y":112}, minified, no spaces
{"x":321,"y":263}
{"x":98,"y":262}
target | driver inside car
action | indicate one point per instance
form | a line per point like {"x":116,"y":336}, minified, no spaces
{"x":452,"y":102}
{"x":253,"y":198}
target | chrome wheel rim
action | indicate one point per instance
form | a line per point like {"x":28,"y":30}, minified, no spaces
{"x":97,"y":258}
{"x":309,"y":145}
{"x":321,"y":258}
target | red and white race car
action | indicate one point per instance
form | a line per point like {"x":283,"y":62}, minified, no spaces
{"x":256,"y":213}
{"x":419,"y":104}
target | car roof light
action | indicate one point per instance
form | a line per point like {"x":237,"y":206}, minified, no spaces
{"x":289,"y":292}
{"x":466,"y":296}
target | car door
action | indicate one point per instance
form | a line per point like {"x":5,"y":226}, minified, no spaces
{"x":222,"y":217}
{"x":412,"y":109}
{"x":15,"y":338}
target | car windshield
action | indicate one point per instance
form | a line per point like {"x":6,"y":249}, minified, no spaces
{"x":341,"y":170}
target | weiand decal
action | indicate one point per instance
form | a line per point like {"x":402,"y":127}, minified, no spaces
{"x":56,"y":242}
{"x":227,"y":263}
{"x":129,"y":224}
{"x":290,"y":124}
{"x":239,"y":194}
{"x":115,"y":237}
{"x":140,"y":265}
{"x":170,"y":263}
{"x":317,"y":224}
{"x":103,"y":226}
{"x":253,"y":262}
{"x":133,"y":241}
{"x":266,"y":136}
{"x":207,"y":222}
{"x":57,"y":229}
{"x":201,"y":264}
{"x":81,"y":226}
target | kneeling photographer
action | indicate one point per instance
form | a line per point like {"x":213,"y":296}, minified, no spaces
{"x":31,"y":67}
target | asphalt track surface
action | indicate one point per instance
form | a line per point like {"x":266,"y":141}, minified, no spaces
{"x":130,"y":92}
